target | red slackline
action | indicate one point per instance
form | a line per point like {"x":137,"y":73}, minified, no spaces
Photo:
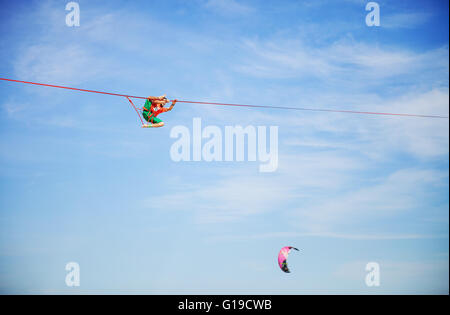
{"x":226,"y":104}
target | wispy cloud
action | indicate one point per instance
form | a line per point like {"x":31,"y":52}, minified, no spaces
{"x":402,"y":191}
{"x":229,"y":7}
{"x":404,"y":20}
{"x":13,"y":108}
{"x":70,"y":64}
{"x":343,"y":60}
{"x":227,"y":199}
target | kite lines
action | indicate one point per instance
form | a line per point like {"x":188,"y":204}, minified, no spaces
{"x":137,"y":109}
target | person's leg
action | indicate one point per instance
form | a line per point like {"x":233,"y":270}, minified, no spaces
{"x":145,"y":115}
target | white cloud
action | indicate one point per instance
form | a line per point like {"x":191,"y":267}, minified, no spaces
{"x":282,"y":59}
{"x":13,"y":108}
{"x":421,"y":137}
{"x":400,"y":192}
{"x":404,"y":20}
{"x":53,"y":63}
{"x":343,"y":61}
{"x":240,"y":193}
{"x":228,"y":7}
{"x":377,"y":137}
{"x":227,"y":199}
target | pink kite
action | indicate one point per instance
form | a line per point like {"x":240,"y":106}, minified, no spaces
{"x":282,"y":257}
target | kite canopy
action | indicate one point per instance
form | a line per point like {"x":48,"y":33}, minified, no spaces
{"x":282,"y":257}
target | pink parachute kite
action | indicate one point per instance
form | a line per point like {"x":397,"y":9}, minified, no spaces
{"x":282,"y":257}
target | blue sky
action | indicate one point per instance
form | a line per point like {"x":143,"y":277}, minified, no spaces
{"x":81,"y":181}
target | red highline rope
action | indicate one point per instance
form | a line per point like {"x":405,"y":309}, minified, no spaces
{"x":237,"y":105}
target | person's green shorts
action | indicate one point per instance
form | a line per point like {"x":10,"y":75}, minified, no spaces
{"x":153,"y":120}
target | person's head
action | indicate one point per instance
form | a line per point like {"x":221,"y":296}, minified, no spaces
{"x":160,"y":102}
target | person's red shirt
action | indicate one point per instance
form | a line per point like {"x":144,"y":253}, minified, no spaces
{"x":159,"y":111}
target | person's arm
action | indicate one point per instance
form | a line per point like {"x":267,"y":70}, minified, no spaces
{"x":171,"y":106}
